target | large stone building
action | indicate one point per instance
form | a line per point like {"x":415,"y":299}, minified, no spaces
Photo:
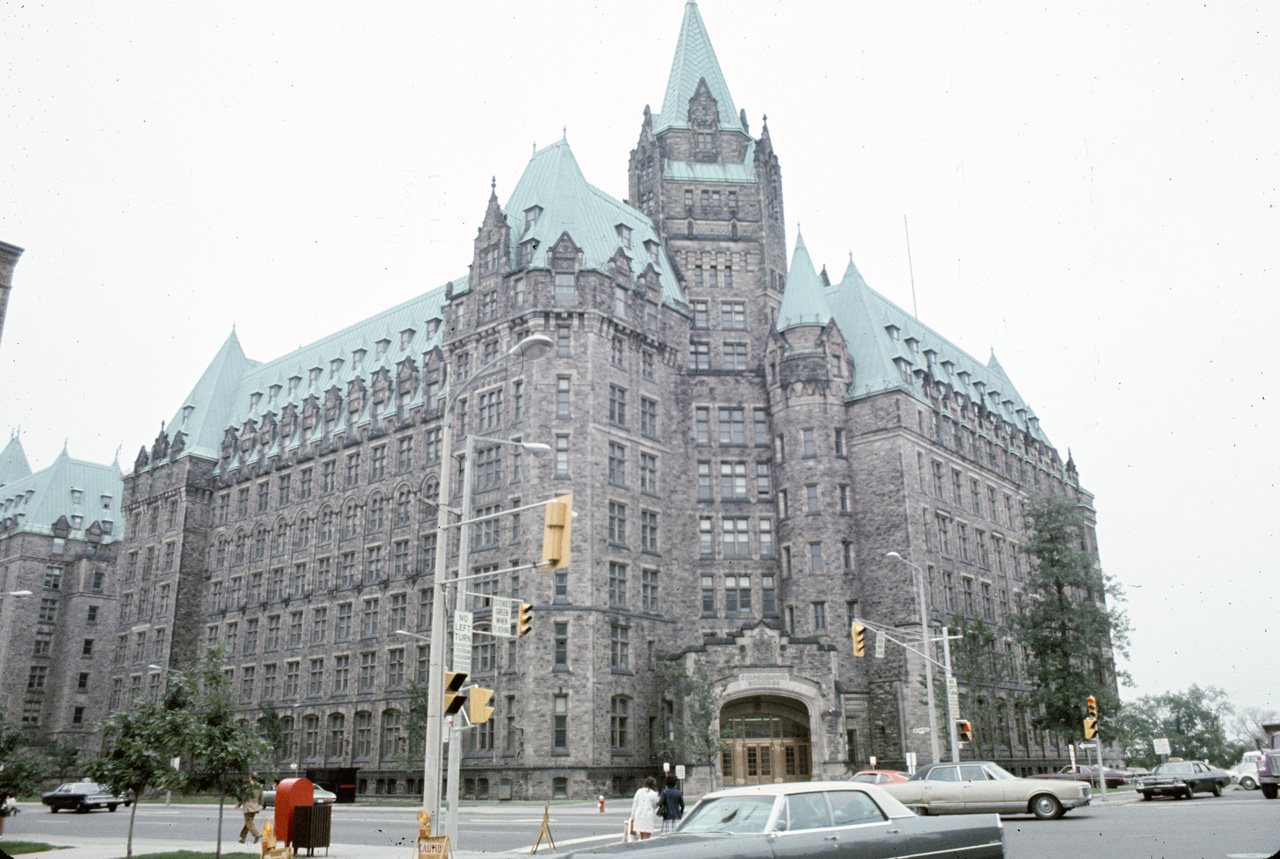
{"x":745,"y":442}
{"x":8,"y":261}
{"x":59,"y":529}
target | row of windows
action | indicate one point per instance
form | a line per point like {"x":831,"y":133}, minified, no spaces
{"x":952,"y":538}
{"x":967,"y":493}
{"x":733,"y":356}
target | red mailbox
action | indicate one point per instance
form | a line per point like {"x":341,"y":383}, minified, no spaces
{"x":290,"y":793}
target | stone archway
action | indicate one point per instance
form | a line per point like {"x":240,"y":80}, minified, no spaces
{"x":766,"y":740}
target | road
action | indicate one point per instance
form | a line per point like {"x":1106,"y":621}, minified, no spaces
{"x":1238,"y":825}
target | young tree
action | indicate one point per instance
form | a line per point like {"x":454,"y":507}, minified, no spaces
{"x":1068,"y":620}
{"x":21,"y":772}
{"x":699,"y":697}
{"x":140,"y":743}
{"x":222,"y":750}
{"x":981,"y":668}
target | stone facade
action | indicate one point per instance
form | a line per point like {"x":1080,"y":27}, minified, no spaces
{"x":740,"y":469}
{"x":8,"y":260}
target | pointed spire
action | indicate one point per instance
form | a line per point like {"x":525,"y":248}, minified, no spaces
{"x":695,"y":61}
{"x":803,"y":299}
{"x":13,"y":461}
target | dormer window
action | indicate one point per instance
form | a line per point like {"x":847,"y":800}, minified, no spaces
{"x":652,"y":247}
{"x":433,"y":325}
{"x":531,"y":216}
{"x":254,"y":399}
{"x":356,"y":357}
{"x":274,"y":392}
{"x":76,"y":522}
{"x":76,"y":495}
{"x":106,"y":502}
{"x":294,"y":381}
{"x":913,"y":344}
{"x":930,"y":355}
{"x":106,"y":525}
{"x":313,"y":376}
{"x":335,"y":367}
{"x":382,"y":348}
{"x":186,"y":413}
{"x":893,"y":332}
{"x":406,"y":337}
{"x":624,"y":233}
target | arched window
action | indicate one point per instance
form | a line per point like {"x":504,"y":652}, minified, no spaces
{"x":337,"y":745}
{"x":259,"y":550}
{"x":430,"y":498}
{"x":350,"y":520}
{"x":393,"y":742}
{"x":324,"y":533}
{"x":404,"y":506}
{"x":619,"y":709}
{"x":364,"y":735}
{"x":238,"y":557}
{"x":284,"y":739}
{"x":302,"y":534}
{"x":281,"y":543}
{"x":375,"y":519}
{"x":311,"y":737}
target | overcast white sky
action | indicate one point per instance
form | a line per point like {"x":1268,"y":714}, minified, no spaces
{"x":1092,"y":191}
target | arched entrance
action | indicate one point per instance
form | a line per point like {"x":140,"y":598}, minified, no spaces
{"x":766,"y":740}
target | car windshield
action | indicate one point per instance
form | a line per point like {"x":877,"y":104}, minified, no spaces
{"x":998,"y":772}
{"x":740,"y":815}
{"x":1173,"y":769}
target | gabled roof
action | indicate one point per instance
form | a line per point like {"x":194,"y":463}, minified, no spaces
{"x":695,"y":60}
{"x":567,"y":203}
{"x":223,"y":396}
{"x":70,"y":487}
{"x":803,"y":301}
{"x":13,"y":461}
{"x":869,"y":321}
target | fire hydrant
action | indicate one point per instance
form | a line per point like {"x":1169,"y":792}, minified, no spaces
{"x":602,"y":803}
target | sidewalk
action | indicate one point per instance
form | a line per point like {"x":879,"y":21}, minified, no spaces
{"x":114,"y":848}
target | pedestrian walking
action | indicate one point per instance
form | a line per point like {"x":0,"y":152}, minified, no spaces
{"x":251,"y":805}
{"x":671,"y":805}
{"x":644,"y":809}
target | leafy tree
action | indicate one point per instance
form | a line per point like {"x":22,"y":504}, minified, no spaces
{"x":140,"y":742}
{"x":64,"y":759}
{"x":1068,"y":620}
{"x":1195,"y":722}
{"x":22,"y":771}
{"x":699,"y":698}
{"x":415,"y":722}
{"x":1247,"y":727}
{"x":271,"y":728}
{"x":980,"y":668}
{"x":221,"y":750}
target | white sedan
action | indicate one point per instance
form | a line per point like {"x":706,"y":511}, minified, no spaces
{"x":974,"y":787}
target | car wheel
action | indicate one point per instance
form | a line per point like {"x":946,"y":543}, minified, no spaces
{"x":111,"y":807}
{"x":53,"y":809}
{"x":82,"y":809}
{"x":1146,"y":794}
{"x":1269,"y":791}
{"x":1217,"y":789}
{"x":1248,"y":783}
{"x":1046,"y":807}
{"x":1189,"y":792}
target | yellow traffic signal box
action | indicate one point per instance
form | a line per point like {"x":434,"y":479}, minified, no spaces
{"x":555,"y":533}
{"x":859,"y":633}
{"x":453,"y":701}
{"x":479,"y":709}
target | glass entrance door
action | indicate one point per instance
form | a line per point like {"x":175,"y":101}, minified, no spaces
{"x":764,"y":748}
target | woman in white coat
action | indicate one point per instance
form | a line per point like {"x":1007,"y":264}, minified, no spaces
{"x":644,"y":809}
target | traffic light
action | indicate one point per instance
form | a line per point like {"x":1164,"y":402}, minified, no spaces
{"x":555,"y":533}
{"x":859,"y":632}
{"x":1090,"y":728}
{"x":1093,"y":707}
{"x":524,"y":624}
{"x":965,"y":729}
{"x":453,"y":702}
{"x":478,"y":708}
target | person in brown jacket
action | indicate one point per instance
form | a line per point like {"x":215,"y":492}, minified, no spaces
{"x":251,"y":806}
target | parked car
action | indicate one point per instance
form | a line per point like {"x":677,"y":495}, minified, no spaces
{"x":1183,"y":779}
{"x":971,"y":787}
{"x":879,"y":776}
{"x":813,"y":818}
{"x":1079,"y":772}
{"x":319,"y":796}
{"x":84,"y":796}
{"x":1245,"y":775}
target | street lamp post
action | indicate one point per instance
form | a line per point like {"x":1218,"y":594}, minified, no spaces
{"x":530,"y":348}
{"x":927,"y":641}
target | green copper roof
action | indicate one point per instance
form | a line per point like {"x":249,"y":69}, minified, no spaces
{"x":13,"y":461}
{"x":869,"y":321}
{"x":553,"y":183}
{"x":224,"y":396}
{"x":803,"y":301}
{"x":695,"y":60}
{"x":83,"y":492}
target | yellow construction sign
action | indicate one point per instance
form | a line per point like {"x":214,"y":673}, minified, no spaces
{"x":430,"y":845}
{"x":271,"y":849}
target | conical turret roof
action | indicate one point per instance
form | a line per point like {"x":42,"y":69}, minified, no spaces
{"x":695,"y":60}
{"x":804,"y":300}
